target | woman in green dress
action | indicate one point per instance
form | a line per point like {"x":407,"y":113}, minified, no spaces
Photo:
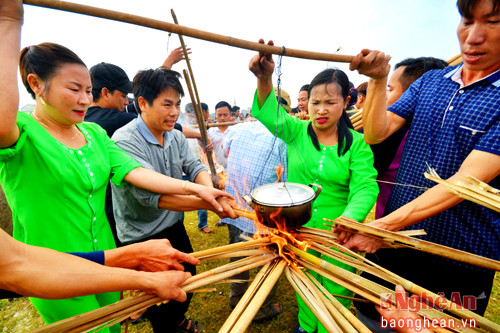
{"x":54,"y":168}
{"x":324,"y":150}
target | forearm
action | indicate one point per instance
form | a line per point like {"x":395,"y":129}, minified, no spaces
{"x":10,"y":30}
{"x":375,"y":122}
{"x":264,"y":88}
{"x":158,"y":183}
{"x":203,"y":178}
{"x":190,"y":133}
{"x":183,"y":203}
{"x":59,"y":275}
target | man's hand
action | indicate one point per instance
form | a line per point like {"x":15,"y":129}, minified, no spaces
{"x":227,"y":206}
{"x":159,"y":255}
{"x":262,"y":64}
{"x":374,"y":64}
{"x":174,"y":57}
{"x":167,"y":285}
{"x":358,"y":241}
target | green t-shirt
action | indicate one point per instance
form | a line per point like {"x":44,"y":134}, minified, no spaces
{"x":57,"y":193}
{"x":348,"y":182}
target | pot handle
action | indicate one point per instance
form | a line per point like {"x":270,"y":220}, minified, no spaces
{"x":318,"y":191}
{"x":249,"y":200}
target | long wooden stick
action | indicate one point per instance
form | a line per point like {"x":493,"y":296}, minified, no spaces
{"x":228,"y":123}
{"x":186,"y":31}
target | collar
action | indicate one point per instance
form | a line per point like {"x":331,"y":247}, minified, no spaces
{"x":456,"y":76}
{"x":146,"y":132}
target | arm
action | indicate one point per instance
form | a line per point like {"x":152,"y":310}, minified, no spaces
{"x":61,"y":275}
{"x":262,"y":66}
{"x":174,"y":57}
{"x":190,"y":133}
{"x":158,"y":183}
{"x":378,"y":124}
{"x":482,"y":165}
{"x":11,"y":20}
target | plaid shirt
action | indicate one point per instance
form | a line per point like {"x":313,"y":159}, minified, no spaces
{"x":253,"y":155}
{"x":448,"y":122}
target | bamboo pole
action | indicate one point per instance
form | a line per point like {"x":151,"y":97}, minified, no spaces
{"x":231,"y":247}
{"x":422,"y":245}
{"x":203,"y":130}
{"x":245,"y":213}
{"x":260,"y":296}
{"x":186,"y":31}
{"x":245,"y":299}
{"x":311,"y":300}
{"x":454,"y":58}
{"x":228,"y":123}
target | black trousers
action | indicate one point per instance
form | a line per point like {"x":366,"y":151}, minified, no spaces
{"x":165,"y":317}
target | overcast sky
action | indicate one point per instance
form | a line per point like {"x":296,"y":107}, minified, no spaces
{"x":400,"y":28}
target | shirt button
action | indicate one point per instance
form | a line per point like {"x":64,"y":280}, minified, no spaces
{"x":95,"y":218}
{"x":451,"y":107}
{"x":95,"y":240}
{"x":90,"y":196}
{"x":315,"y":210}
{"x":461,"y":91}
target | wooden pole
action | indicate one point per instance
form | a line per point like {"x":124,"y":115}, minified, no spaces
{"x":229,"y":123}
{"x":186,"y":31}
{"x":203,"y":130}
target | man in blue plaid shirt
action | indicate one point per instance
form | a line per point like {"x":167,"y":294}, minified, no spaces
{"x":455,"y":129}
{"x":253,"y":154}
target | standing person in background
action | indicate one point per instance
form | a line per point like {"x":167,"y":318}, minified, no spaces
{"x":361,"y":95}
{"x":454,"y":114}
{"x":324,"y":151}
{"x":249,"y":166}
{"x":59,"y":164}
{"x":222,"y":115}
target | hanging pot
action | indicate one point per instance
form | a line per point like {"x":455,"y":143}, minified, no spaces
{"x":288,"y":203}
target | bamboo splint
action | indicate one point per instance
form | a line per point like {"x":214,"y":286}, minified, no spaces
{"x":421,"y":245}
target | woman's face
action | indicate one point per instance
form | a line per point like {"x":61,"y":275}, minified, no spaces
{"x":325,"y":106}
{"x":68,"y":94}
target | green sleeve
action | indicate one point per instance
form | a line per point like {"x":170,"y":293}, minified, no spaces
{"x":276,"y":119}
{"x":121,"y":163}
{"x":363,"y":189}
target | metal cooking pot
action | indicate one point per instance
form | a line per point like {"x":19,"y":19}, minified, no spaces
{"x":291,"y":202}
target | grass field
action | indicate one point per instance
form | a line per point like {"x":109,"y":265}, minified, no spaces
{"x":210,"y":309}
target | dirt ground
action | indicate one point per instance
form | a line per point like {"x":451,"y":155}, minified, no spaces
{"x":5,"y":214}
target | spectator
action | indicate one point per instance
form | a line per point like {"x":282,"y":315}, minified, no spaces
{"x":361,"y":95}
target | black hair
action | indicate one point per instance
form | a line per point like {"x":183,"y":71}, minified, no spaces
{"x":416,"y":67}
{"x":305,"y":87}
{"x":44,"y":60}
{"x":353,"y":93}
{"x":465,"y":7}
{"x":332,"y":75}
{"x":204,"y":106}
{"x":235,"y":108}
{"x":151,"y":82}
{"x":222,"y":104}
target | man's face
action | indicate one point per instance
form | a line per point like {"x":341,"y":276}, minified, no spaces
{"x":163,"y":113}
{"x":206,"y":114}
{"x":479,"y":38}
{"x":302,"y":101}
{"x":116,"y":100}
{"x":222,"y":115}
{"x":394,"y":86}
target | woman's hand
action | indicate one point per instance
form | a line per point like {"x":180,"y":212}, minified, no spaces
{"x":262,"y":64}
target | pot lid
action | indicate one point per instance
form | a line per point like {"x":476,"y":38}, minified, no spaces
{"x":282,"y":194}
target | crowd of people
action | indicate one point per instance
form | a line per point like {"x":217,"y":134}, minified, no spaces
{"x":98,"y":183}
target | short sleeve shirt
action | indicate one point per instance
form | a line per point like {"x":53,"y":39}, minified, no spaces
{"x":449,"y":121}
